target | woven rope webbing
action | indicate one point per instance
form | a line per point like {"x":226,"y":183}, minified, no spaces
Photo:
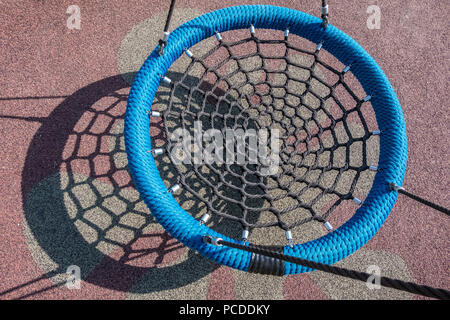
{"x":324,"y":143}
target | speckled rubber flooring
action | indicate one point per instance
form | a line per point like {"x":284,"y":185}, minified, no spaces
{"x":66,"y":195}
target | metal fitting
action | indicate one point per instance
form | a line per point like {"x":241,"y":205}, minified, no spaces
{"x":204,"y":219}
{"x":212,"y":240}
{"x":328,"y":226}
{"x":174,"y":188}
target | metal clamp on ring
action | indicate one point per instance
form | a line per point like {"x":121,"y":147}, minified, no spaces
{"x":395,"y":187}
{"x":212,"y":240}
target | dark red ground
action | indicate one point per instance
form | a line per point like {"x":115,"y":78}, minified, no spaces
{"x":51,"y":76}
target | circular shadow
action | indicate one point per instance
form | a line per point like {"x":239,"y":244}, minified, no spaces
{"x":81,"y":206}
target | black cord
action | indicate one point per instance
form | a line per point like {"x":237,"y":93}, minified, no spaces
{"x":324,"y":14}
{"x":169,"y":15}
{"x":401,"y":190}
{"x":163,"y":41}
{"x":353,"y":274}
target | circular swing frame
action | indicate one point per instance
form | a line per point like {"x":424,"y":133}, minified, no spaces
{"x":330,"y":248}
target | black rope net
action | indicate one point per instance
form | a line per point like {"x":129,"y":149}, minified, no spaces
{"x":291,"y":106}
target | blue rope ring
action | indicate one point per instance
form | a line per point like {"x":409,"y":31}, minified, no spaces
{"x":334,"y":246}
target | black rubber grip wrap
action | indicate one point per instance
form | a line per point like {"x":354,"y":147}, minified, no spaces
{"x":267,"y":265}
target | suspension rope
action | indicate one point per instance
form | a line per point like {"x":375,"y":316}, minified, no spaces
{"x":324,"y":16}
{"x":353,"y":274}
{"x":163,"y":40}
{"x":401,"y":190}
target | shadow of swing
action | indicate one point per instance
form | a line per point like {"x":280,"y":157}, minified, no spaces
{"x":81,"y":208}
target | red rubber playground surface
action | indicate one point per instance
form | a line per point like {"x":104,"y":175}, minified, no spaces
{"x":66,"y":195}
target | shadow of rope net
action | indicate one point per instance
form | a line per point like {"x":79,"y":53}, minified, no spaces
{"x":81,"y":207}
